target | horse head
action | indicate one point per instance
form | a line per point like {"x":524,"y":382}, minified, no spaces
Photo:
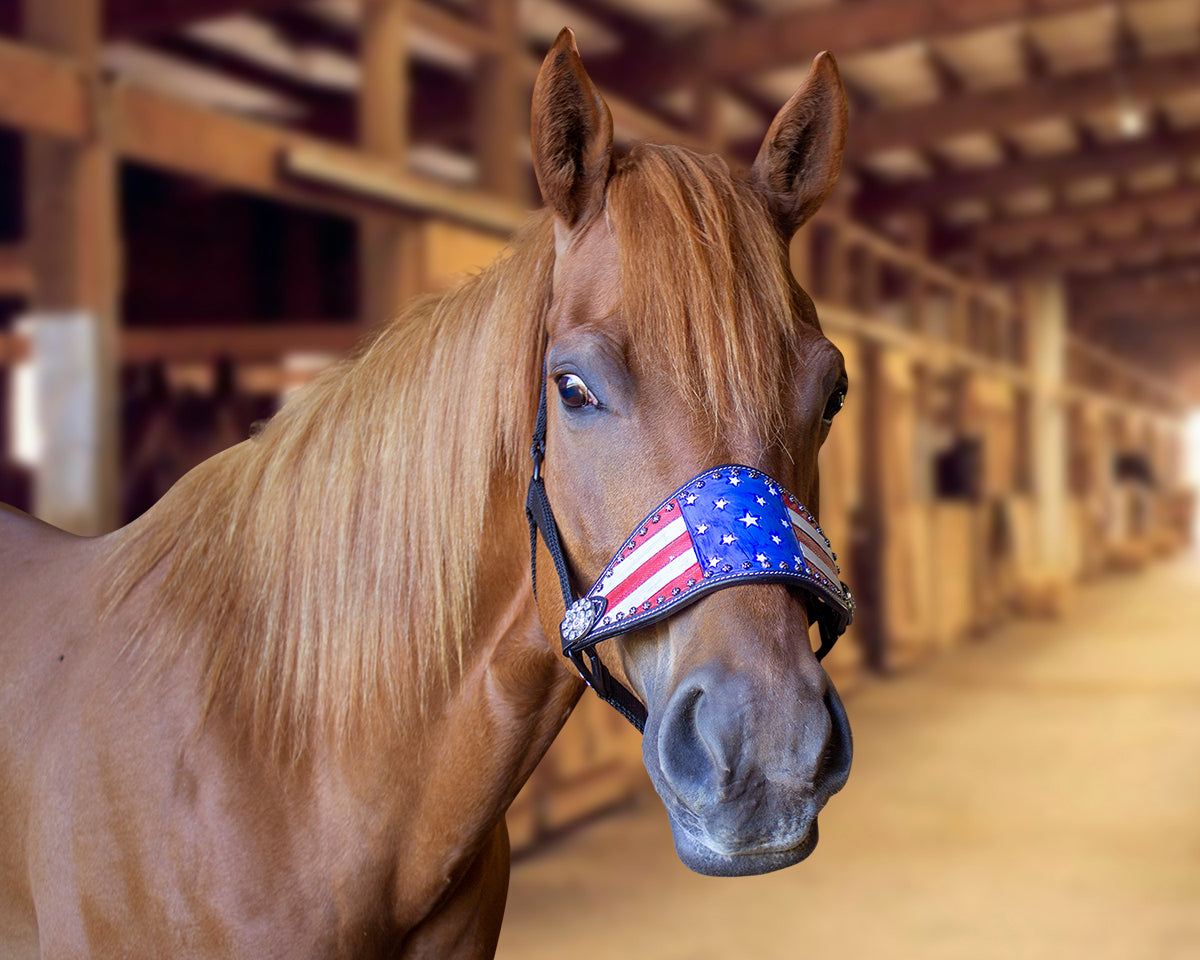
{"x":677,"y":340}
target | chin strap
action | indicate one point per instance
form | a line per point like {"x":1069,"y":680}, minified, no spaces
{"x":541,"y":519}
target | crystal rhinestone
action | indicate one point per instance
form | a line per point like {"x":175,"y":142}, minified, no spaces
{"x":581,"y":615}
{"x":745,"y":564}
{"x":726,"y":568}
{"x":669,"y":507}
{"x":691,"y":582}
{"x":642,"y":532}
{"x":705,"y":574}
{"x":783,"y":565}
{"x":646,"y":605}
{"x":699,"y":484}
{"x":654,"y":519}
{"x":661,"y":599}
{"x":675,"y":591}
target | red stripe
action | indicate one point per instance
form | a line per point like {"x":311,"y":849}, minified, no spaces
{"x":650,"y":567}
{"x":816,"y":548}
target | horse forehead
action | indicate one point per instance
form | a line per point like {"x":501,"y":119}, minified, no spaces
{"x":587,"y":274}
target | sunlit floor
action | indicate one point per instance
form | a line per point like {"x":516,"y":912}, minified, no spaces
{"x":1035,"y":795}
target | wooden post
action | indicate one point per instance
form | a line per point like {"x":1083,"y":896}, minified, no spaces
{"x":500,"y":114}
{"x":74,"y":249}
{"x":1047,"y":317}
{"x":389,"y":245}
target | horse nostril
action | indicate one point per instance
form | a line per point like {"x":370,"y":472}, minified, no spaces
{"x":834,"y":767}
{"x":692,"y":753}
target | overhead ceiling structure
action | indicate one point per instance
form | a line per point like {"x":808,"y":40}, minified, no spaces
{"x":1025,"y":137}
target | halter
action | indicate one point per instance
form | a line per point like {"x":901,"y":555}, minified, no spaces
{"x":727,"y":525}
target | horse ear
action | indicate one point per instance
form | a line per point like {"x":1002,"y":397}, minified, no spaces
{"x":798,"y":162}
{"x":572,"y":134}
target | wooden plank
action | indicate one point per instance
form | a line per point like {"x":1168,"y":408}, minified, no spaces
{"x":950,"y":187}
{"x":1000,"y":110}
{"x":244,"y":342}
{"x":42,"y":92}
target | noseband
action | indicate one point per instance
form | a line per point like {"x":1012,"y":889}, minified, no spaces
{"x":727,"y":525}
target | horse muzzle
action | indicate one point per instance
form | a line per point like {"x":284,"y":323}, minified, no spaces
{"x":744,"y":771}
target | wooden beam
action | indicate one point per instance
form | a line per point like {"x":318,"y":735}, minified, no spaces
{"x":765,"y":43}
{"x":1178,"y":300}
{"x":1001,"y":110}
{"x":42,"y":92}
{"x":1017,"y":231}
{"x":1093,"y":256}
{"x":357,"y":176}
{"x":245,"y":342}
{"x":947,"y":188}
{"x":125,"y":19}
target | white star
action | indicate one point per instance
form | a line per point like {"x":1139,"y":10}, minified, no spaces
{"x":728,"y":539}
{"x":775,"y":538}
{"x":713,"y":561}
{"x":760,"y":501}
{"x":690,"y":499}
{"x":786,"y":522}
{"x":774,"y":489}
{"x":749,"y":520}
{"x":721,"y":504}
{"x":797,"y":560}
{"x":760,"y":557}
{"x":734,"y":481}
{"x":702,"y":528}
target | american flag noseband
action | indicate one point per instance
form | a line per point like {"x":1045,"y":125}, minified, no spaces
{"x":727,"y":525}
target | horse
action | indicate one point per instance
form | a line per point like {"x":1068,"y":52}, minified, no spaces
{"x":283,"y":713}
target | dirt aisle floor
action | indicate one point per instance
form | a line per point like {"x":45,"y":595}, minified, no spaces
{"x":1034,"y":795}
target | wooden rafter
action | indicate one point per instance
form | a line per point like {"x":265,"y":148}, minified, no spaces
{"x":927,"y":124}
{"x":765,"y":43}
{"x":1092,"y":256}
{"x":1054,"y":172}
{"x":1164,"y":205}
{"x":125,"y":19}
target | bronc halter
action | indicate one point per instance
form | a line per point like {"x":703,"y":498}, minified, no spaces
{"x":727,"y":525}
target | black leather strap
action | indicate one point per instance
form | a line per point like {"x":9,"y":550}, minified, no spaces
{"x":541,"y":519}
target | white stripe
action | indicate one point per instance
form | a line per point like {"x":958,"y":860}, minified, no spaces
{"x":664,"y":576}
{"x":824,"y":560}
{"x":644,"y":551}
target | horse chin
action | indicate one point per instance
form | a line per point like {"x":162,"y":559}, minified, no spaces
{"x":699,"y":856}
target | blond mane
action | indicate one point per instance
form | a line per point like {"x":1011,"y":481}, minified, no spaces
{"x":328,"y":565}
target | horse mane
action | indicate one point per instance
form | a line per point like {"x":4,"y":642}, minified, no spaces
{"x":327,"y":565}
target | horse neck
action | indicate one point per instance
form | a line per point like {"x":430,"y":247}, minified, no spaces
{"x":344,"y":567}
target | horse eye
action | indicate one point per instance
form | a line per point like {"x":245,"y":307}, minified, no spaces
{"x":574,"y":392}
{"x":834,"y":405}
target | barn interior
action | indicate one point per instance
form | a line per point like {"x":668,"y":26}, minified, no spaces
{"x":203,"y":203}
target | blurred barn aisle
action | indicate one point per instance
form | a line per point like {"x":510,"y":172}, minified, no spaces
{"x":1031,"y":796}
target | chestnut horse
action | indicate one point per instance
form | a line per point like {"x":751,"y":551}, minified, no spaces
{"x":283,"y":713}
